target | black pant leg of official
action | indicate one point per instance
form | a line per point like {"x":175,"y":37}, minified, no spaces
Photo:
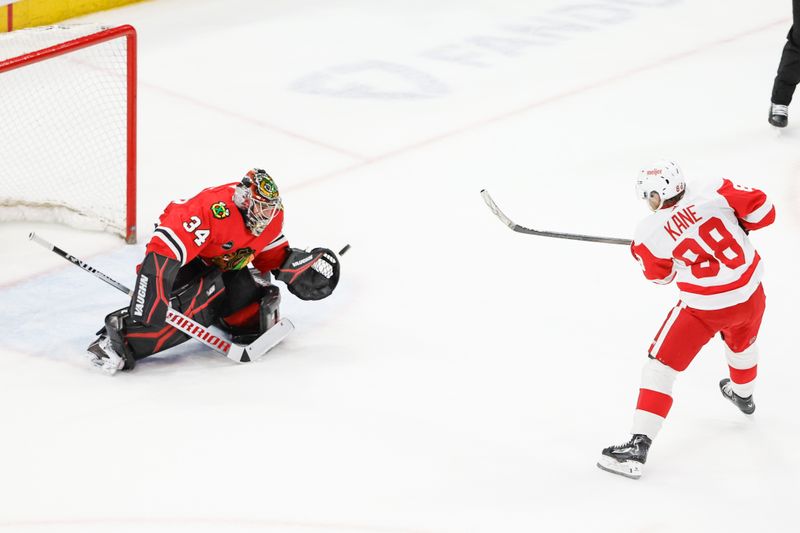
{"x":789,"y":68}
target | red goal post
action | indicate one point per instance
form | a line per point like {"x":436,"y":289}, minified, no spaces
{"x":68,"y":126}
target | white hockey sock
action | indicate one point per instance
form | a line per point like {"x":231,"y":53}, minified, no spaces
{"x":646,"y":423}
{"x":743,"y":367}
{"x":655,"y":398}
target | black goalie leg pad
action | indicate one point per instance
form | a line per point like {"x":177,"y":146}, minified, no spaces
{"x":154,"y":284}
{"x":270,"y":304}
{"x":198,"y":299}
{"x":268,"y":309}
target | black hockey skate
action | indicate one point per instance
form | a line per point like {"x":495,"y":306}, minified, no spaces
{"x":108,"y":351}
{"x":626,"y":459}
{"x":745,"y":405}
{"x":102,"y":355}
{"x":778,"y":115}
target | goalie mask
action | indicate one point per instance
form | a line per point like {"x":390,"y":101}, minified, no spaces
{"x":258,"y":199}
{"x":663,"y":178}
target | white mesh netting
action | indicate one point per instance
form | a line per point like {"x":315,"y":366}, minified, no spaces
{"x":63,"y":131}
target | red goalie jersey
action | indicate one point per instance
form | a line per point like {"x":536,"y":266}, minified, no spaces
{"x":211,"y":227}
{"x":702,"y":244}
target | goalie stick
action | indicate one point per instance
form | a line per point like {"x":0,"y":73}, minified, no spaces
{"x":558,"y":235}
{"x":235,"y":352}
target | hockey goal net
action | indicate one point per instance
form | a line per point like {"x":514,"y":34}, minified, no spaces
{"x":68,"y":127}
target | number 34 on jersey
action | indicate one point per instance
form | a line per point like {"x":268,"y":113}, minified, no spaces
{"x":193,"y":226}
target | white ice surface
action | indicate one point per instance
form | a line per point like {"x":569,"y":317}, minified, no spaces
{"x":463,"y":378}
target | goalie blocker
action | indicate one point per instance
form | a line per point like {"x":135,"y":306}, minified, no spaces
{"x":242,"y":303}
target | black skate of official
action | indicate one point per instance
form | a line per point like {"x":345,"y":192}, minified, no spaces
{"x":778,"y":115}
{"x":745,"y":405}
{"x":626,"y":459}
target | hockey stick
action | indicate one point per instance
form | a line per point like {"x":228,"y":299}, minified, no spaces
{"x":184,"y":324}
{"x":528,"y":231}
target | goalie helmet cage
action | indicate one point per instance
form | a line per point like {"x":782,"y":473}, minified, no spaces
{"x":68,"y":126}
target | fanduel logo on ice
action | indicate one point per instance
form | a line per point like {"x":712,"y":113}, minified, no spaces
{"x":138,"y":309}
{"x":421,"y":76}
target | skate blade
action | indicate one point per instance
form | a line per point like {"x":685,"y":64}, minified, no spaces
{"x":629,"y":469}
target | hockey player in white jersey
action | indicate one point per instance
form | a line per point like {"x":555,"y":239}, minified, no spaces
{"x":698,"y":237}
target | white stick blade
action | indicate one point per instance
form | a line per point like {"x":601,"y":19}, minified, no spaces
{"x":259,"y":347}
{"x":496,"y":210}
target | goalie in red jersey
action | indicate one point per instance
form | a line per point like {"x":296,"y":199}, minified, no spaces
{"x":197,"y":262}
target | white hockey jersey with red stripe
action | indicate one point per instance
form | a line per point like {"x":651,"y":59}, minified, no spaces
{"x":701,"y":243}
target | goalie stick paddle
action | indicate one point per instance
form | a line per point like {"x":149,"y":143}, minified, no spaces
{"x":558,"y":235}
{"x":184,"y":324}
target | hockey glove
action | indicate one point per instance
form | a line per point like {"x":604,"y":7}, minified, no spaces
{"x":309,"y":275}
{"x":150,"y":297}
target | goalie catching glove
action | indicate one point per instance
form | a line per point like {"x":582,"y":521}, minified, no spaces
{"x":309,"y":275}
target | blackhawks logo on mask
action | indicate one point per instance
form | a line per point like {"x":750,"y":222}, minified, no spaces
{"x":220,"y":210}
{"x":266,"y":186}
